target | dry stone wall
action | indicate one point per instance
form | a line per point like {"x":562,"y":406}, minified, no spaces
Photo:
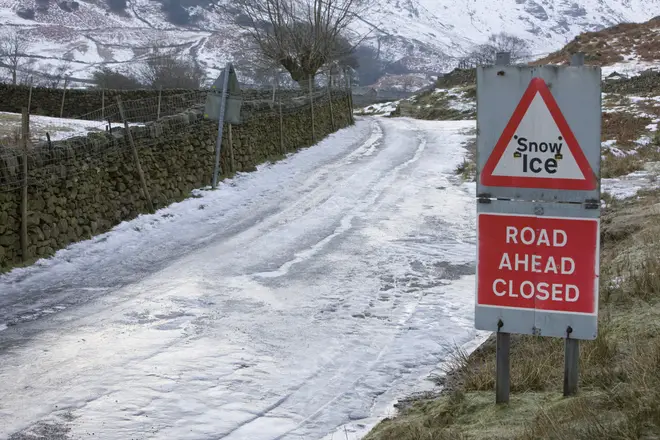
{"x":80,"y":102}
{"x":84,"y":186}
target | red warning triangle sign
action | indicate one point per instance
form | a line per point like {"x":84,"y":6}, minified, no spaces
{"x":537,"y":148}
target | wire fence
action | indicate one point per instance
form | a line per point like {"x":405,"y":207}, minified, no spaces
{"x":56,"y":149}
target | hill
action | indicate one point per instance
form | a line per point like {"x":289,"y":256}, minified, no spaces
{"x":627,"y":48}
{"x":426,"y":36}
{"x":628,"y":53}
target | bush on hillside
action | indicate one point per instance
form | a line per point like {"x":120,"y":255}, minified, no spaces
{"x":172,"y":71}
{"x":109,"y":79}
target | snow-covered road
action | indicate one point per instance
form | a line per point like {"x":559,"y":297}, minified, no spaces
{"x":291,"y":301}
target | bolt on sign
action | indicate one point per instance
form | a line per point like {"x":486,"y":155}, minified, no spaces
{"x":538,"y":200}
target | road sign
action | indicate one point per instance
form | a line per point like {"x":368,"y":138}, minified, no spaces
{"x":538,"y":153}
{"x":537,"y":268}
{"x":544,"y":263}
{"x":231,"y":96}
{"x":539,"y":133}
{"x":537,"y":148}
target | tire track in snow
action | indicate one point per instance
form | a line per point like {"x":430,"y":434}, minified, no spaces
{"x":346,"y":224}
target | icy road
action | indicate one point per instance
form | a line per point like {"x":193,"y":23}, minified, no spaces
{"x":295,"y":302}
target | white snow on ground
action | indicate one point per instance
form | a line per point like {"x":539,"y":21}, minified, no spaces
{"x":293,"y":300}
{"x":58,"y":128}
{"x":629,"y":185}
{"x":458,"y":100}
{"x":358,"y":429}
{"x":378,"y":109}
{"x":628,"y":68}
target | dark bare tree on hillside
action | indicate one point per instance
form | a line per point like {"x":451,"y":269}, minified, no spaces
{"x":170,"y":70}
{"x":516,"y":46}
{"x":484,"y":54}
{"x":13,"y":53}
{"x":300,"y":35}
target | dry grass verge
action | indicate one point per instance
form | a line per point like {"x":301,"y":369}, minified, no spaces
{"x":616,"y":166}
{"x":619,"y":395}
{"x":468,"y":168}
{"x":440,"y":105}
{"x":623,"y":127}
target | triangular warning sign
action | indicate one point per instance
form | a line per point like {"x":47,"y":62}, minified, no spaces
{"x":537,"y":148}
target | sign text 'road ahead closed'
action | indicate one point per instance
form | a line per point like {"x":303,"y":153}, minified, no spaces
{"x":543,"y":263}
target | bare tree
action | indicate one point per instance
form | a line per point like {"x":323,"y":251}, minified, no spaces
{"x":60,"y":75}
{"x":484,"y":54}
{"x":266,"y":72}
{"x":170,"y":70}
{"x":516,"y":46}
{"x":13,"y":53}
{"x":300,"y":35}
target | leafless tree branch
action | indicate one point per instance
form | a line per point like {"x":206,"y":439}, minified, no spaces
{"x":300,"y":35}
{"x":13,"y":52}
{"x":484,"y":54}
{"x":170,"y":70}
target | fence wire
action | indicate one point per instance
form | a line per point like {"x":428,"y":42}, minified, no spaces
{"x":58,"y":149}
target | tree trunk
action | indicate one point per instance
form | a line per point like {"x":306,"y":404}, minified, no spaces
{"x":304,"y":83}
{"x":299,"y":75}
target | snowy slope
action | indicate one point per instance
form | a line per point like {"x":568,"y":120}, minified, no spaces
{"x":424,"y":35}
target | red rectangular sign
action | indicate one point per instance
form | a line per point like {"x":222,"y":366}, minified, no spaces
{"x":544,"y":263}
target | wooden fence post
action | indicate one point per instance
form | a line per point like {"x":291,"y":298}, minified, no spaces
{"x":25,"y":133}
{"x":30,"y":97}
{"x":349,"y":102}
{"x":103,"y":104}
{"x":311,"y":102}
{"x":332,"y":113}
{"x":160,"y":94}
{"x":136,"y":156}
{"x":282,"y":149}
{"x":66,"y":82}
{"x":232,"y":165}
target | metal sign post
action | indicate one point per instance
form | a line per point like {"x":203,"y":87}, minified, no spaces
{"x":538,"y":207}
{"x":221,"y":123}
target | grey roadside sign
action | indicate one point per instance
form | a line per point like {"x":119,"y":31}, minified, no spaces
{"x":538,"y":207}
{"x":223,"y":103}
{"x":232,"y":97}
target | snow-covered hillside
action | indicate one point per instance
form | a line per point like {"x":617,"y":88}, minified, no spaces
{"x":423,"y":35}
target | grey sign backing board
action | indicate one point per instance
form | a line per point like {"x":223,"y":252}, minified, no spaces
{"x":538,"y":133}
{"x":233,"y":100}
{"x":537,"y":268}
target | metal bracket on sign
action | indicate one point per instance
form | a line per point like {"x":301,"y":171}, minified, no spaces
{"x":591,"y":204}
{"x":483,"y":198}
